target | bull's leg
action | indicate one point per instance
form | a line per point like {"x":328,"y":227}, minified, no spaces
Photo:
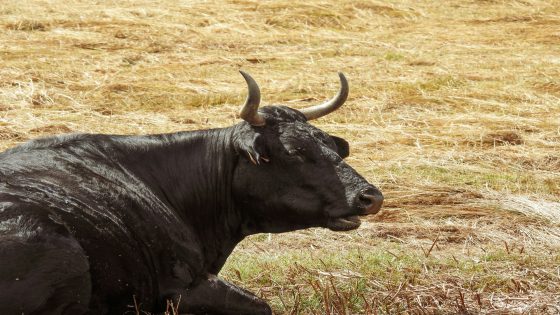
{"x":216,"y":296}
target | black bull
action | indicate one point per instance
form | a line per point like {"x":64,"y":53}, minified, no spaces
{"x":89,"y":221}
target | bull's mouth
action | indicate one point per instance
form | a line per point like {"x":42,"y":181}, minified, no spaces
{"x":344,"y":223}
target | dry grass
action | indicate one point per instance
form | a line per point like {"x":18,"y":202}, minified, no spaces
{"x":454,"y":113}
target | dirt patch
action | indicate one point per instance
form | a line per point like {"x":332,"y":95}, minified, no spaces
{"x":546,"y":163}
{"x":400,"y":232}
{"x":506,"y":19}
{"x":549,"y":87}
{"x":502,"y":138}
{"x":423,"y":63}
{"x":51,"y":129}
{"x":433,"y":196}
{"x":27,"y":25}
{"x":7,"y":134}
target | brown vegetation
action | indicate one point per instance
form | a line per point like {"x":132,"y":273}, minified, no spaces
{"x":454,"y":112}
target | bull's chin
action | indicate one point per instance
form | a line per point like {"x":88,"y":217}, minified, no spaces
{"x":344,"y":223}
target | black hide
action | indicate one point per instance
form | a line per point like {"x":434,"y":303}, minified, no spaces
{"x":89,"y":221}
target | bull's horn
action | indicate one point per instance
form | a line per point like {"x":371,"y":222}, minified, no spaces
{"x":250,"y":111}
{"x":320,"y":110}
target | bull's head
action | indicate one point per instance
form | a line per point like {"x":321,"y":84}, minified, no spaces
{"x":293,"y":175}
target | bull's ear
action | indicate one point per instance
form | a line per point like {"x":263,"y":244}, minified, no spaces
{"x":342,"y":147}
{"x":252,"y":147}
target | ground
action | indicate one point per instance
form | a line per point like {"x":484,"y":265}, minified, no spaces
{"x":454,"y":112}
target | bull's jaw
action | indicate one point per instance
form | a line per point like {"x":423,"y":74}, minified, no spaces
{"x":347,"y":223}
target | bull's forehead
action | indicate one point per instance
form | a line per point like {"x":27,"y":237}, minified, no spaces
{"x":277,"y":114}
{"x":302,"y":133}
{"x":292,"y":128}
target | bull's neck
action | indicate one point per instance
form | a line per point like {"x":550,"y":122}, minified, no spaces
{"x":192,"y":172}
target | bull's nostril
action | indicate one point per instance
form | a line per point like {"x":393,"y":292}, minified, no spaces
{"x":371,"y":201}
{"x":365,"y":200}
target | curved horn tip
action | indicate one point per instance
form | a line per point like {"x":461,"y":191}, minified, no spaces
{"x":343,"y":81}
{"x":245,"y":74}
{"x":342,"y":77}
{"x":249,"y":112}
{"x":250,"y":81}
{"x":333,"y":104}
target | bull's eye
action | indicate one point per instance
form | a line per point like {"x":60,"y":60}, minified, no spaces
{"x":297,"y":154}
{"x":296,"y":151}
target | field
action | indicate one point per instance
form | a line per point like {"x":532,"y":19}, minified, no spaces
{"x":454,"y":112}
